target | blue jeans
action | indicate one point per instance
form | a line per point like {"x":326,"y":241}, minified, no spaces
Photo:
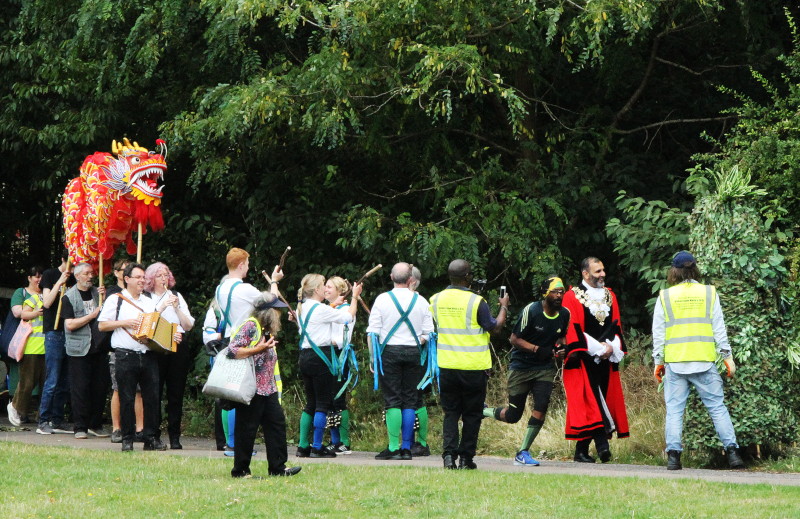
{"x":56,"y":382}
{"x":709,"y":388}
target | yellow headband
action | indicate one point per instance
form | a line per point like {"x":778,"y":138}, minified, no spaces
{"x":554,"y":284}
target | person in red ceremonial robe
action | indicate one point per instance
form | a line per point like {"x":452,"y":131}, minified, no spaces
{"x":595,"y":404}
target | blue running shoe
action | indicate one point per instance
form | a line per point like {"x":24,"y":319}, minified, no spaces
{"x":524,"y":458}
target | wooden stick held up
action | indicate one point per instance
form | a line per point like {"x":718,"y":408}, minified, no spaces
{"x":280,"y":296}
{"x":369,"y":273}
{"x":283,"y":257}
{"x":139,"y":245}
{"x":61,"y":292}
{"x":100,"y":279}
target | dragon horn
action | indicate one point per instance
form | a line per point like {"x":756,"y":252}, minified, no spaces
{"x":114,"y":147}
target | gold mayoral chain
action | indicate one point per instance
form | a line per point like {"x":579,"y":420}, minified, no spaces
{"x":599,"y":308}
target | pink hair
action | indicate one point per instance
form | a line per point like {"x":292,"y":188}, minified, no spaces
{"x":150,"y":276}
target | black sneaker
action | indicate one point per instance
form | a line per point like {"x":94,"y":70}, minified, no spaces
{"x":340,"y":448}
{"x":322,"y":452}
{"x":417,"y":449}
{"x":405,"y":454}
{"x":139,"y":437}
{"x":154,"y":445}
{"x":303,"y":452}
{"x":127,"y":446}
{"x":287,"y":472}
{"x":386,"y":454}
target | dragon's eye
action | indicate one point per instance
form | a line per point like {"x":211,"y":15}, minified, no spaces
{"x":135,"y":160}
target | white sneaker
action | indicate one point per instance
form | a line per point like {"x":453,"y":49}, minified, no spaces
{"x":13,"y":415}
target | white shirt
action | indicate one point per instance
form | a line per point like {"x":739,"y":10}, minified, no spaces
{"x":242,"y":302}
{"x":321,"y":326}
{"x":338,"y":329}
{"x":384,"y":316}
{"x":210,"y":324}
{"x":120,"y":338}
{"x":169,"y":312}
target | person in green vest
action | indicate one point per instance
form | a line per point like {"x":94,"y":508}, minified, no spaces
{"x":463,"y":322}
{"x":688,"y":334}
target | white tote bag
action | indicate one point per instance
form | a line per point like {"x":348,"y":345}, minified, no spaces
{"x":231,"y":379}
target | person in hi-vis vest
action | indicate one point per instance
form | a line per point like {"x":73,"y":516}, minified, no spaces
{"x":688,"y":334}
{"x":463,"y":322}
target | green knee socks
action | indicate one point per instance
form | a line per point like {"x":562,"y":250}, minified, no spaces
{"x":344,"y":428}
{"x":534,"y":426}
{"x":422,"y":434}
{"x":306,"y":423}
{"x":394,"y":422}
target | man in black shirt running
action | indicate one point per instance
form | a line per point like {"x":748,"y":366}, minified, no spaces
{"x":537,"y":339}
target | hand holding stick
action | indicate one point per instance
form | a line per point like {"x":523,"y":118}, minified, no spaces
{"x":363,"y":304}
{"x":280,"y":296}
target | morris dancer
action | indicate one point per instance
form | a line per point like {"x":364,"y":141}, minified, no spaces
{"x":316,"y":322}
{"x":536,"y":339}
{"x":595,"y":404}
{"x":401,"y":321}
{"x":336,"y":290}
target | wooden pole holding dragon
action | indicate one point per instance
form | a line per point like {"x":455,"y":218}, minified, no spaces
{"x":113,"y":196}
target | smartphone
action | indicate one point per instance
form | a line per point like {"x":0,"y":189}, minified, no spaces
{"x":502,"y":292}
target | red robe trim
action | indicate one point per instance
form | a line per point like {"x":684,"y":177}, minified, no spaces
{"x":585,"y":409}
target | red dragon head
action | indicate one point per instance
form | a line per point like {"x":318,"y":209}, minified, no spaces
{"x":137,"y":171}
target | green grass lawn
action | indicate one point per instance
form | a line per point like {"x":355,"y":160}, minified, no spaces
{"x":65,"y":483}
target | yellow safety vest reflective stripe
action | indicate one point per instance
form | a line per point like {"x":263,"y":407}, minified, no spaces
{"x":462,"y":343}
{"x":689,"y":332}
{"x":253,"y":342}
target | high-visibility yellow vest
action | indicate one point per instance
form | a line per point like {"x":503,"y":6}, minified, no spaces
{"x":253,"y":342}
{"x":689,"y":333}
{"x":462,"y":343}
{"x":35,"y":344}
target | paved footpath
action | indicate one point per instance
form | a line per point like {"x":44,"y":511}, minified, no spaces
{"x":201,"y":447}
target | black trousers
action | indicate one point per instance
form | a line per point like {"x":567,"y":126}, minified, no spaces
{"x":401,"y":374}
{"x":131,"y":369}
{"x":267,"y":412}
{"x":89,"y":383}
{"x":317,"y":381}
{"x":173,"y":368}
{"x":463,"y":393}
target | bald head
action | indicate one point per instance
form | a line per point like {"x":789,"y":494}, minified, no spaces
{"x":401,"y":273}
{"x":458,"y":271}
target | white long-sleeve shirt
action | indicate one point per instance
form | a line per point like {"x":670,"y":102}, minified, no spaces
{"x":660,"y":334}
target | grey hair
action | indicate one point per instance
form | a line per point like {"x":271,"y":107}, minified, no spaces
{"x":80,"y":267}
{"x":401,"y":272}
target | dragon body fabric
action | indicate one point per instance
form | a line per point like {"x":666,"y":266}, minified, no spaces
{"x":111,"y":197}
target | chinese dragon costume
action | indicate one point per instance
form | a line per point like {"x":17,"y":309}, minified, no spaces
{"x":111,"y":197}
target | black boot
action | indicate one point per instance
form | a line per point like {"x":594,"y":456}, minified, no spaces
{"x":735,"y":461}
{"x":674,"y":460}
{"x":449,"y":463}
{"x":465,"y":463}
